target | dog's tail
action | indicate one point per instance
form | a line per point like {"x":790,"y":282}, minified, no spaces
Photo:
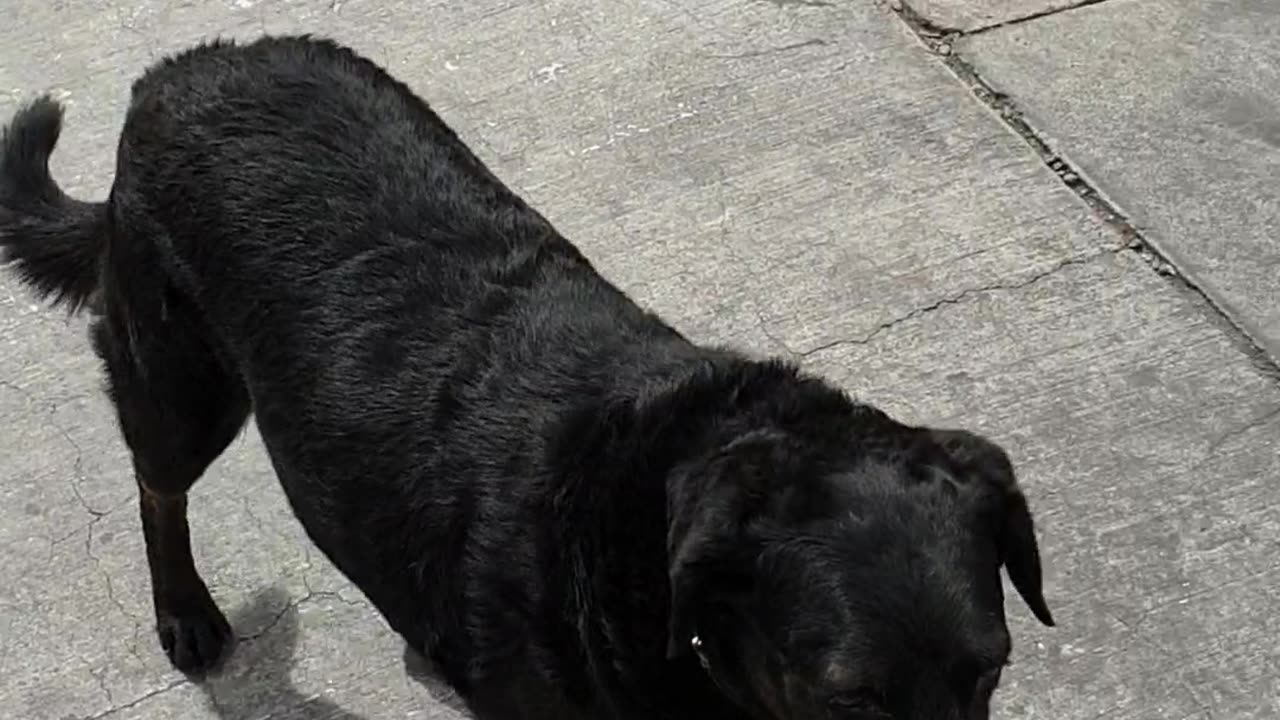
{"x":54,"y":242}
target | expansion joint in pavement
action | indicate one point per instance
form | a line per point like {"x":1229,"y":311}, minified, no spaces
{"x":940,"y":41}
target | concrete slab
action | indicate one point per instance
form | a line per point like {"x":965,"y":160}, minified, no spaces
{"x":791,"y":177}
{"x":972,"y":15}
{"x":1170,"y":108}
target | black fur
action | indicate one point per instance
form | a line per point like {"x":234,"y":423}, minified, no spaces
{"x":53,"y":241}
{"x":541,"y":486}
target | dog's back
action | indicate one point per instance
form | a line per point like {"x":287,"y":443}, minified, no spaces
{"x":293,"y":184}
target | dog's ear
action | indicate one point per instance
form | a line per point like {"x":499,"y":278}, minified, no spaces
{"x":706,"y":570}
{"x":708,"y":505}
{"x":1015,"y":530}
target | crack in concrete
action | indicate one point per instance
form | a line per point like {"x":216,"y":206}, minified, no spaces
{"x":306,"y":582}
{"x":939,"y":41}
{"x":956,"y":300}
{"x":1233,"y":433}
{"x":95,"y":514}
{"x":293,"y":606}
{"x":51,"y":410}
{"x":136,"y":701}
{"x":924,"y":25}
{"x":59,"y":540}
{"x":307,"y":565}
{"x":680,"y":9}
{"x":135,"y":643}
{"x":99,"y":676}
{"x":311,"y":593}
{"x":1033,"y":16}
{"x":800,"y":3}
{"x":106,"y":577}
{"x":814,"y":42}
{"x":248,"y":510}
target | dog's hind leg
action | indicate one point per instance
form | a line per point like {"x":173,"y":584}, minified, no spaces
{"x":178,"y":408}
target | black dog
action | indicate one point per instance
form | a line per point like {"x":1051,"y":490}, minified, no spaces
{"x":571,"y":509}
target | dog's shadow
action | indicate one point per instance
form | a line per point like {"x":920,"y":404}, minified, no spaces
{"x":255,"y":683}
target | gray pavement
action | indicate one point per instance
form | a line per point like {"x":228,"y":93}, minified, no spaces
{"x":803,"y":178}
{"x":1172,"y":109}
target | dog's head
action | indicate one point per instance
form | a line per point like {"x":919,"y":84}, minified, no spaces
{"x":858,"y":583}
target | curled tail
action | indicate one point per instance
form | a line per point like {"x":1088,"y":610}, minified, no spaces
{"x":52,"y":241}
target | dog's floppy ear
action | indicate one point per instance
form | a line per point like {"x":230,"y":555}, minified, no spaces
{"x":707,"y":507}
{"x":1015,"y":530}
{"x":697,"y":567}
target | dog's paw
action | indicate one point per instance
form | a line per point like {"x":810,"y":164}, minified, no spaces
{"x":195,"y":639}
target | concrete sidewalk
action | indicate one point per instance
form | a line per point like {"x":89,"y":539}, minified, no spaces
{"x":950,"y":206}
